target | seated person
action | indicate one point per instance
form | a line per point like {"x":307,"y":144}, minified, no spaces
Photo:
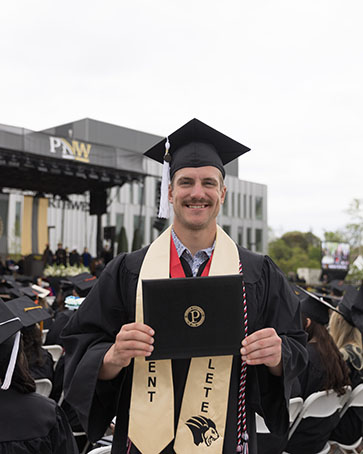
{"x":347,"y":334}
{"x":40,"y":361}
{"x":29,"y":422}
{"x":326,"y":370}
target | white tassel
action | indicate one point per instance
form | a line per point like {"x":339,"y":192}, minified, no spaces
{"x":164,"y":208}
{"x":12,"y":362}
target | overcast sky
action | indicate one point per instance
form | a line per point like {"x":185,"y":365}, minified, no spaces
{"x":284,"y":77}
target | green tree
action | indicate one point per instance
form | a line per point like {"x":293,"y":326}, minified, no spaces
{"x":335,"y":237}
{"x":296,"y":250}
{"x":354,"y":230}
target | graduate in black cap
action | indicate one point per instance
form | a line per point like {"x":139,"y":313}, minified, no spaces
{"x":326,"y":370}
{"x":29,"y":422}
{"x":346,"y":328}
{"x":161,"y":405}
{"x":40,"y":361}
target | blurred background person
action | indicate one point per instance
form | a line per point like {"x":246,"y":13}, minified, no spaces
{"x":61,"y":255}
{"x":86,"y":257}
{"x":326,"y":370}
{"x":47,"y":256}
{"x":40,"y":361}
{"x":74,"y":257}
{"x":346,"y":330}
{"x":30,"y":423}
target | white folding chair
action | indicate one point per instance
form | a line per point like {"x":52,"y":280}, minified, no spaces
{"x":295,"y":405}
{"x":87,"y":442}
{"x":43,"y":386}
{"x":321,"y":404}
{"x":101,"y":450}
{"x":355,"y":399}
{"x":55,"y":350}
{"x":44,"y":335}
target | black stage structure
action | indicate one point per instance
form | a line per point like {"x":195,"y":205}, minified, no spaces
{"x":86,"y":155}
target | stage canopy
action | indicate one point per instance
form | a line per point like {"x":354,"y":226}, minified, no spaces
{"x":86,"y":155}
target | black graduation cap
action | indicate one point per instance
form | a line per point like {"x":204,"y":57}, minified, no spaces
{"x":193,"y":145}
{"x":196,"y":145}
{"x":338,"y":286}
{"x":314,"y":307}
{"x":351,"y":306}
{"x":83,"y":283}
{"x":29,"y":292}
{"x":28,"y":312}
{"x":10,"y":326}
{"x":9,"y":323}
{"x":9,"y":288}
{"x":24,"y":279}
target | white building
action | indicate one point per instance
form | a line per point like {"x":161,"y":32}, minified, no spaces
{"x":133,"y":205}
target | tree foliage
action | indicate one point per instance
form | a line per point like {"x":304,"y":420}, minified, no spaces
{"x":296,"y":250}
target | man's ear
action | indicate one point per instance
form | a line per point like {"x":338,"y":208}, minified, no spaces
{"x":308,"y":322}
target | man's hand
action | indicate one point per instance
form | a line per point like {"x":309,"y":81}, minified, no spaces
{"x":263,"y":347}
{"x":133,"y":339}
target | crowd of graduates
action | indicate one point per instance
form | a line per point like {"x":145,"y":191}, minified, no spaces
{"x":332,"y":317}
{"x":43,"y":308}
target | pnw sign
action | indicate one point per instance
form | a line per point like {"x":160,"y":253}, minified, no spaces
{"x":74,"y":150}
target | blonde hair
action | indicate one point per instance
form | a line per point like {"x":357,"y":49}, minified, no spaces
{"x":344,"y":335}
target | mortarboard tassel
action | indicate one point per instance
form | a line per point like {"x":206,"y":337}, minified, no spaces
{"x":12,"y":362}
{"x":164,"y":208}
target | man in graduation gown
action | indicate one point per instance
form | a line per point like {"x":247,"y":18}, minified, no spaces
{"x":157,"y":408}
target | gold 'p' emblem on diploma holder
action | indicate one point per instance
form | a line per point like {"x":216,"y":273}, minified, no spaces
{"x":194,"y":316}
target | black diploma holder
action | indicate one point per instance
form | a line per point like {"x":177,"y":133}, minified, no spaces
{"x":194,"y":317}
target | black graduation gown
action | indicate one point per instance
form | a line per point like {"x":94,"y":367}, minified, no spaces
{"x":33,"y":424}
{"x":111,"y":303}
{"x":43,"y":370}
{"x":350,"y":427}
{"x":60,"y":321}
{"x":312,"y":433}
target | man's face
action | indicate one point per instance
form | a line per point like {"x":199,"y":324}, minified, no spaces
{"x":196,"y":194}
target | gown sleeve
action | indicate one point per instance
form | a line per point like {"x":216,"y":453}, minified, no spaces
{"x":61,"y":436}
{"x":87,"y":337}
{"x":279,"y":308}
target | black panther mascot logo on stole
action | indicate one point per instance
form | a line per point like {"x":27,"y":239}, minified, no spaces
{"x":203,"y":429}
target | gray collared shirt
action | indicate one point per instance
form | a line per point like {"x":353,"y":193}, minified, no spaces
{"x":193,"y":261}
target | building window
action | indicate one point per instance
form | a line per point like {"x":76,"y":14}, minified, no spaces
{"x":240,"y":236}
{"x":259,"y":242}
{"x":258,"y":208}
{"x":233,"y":203}
{"x":225,"y":205}
{"x":244,"y":206}
{"x":139,"y":232}
{"x":250,"y":207}
{"x":239,"y":205}
{"x":157,"y":193}
{"x":17,"y":219}
{"x":227,"y":229}
{"x":140,"y":193}
{"x":131,"y":185}
{"x":119,"y":222}
{"x":249,"y":238}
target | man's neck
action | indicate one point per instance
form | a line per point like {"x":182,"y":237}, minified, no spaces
{"x":195,"y":240}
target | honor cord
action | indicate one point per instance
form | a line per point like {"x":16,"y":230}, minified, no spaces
{"x":242,"y":434}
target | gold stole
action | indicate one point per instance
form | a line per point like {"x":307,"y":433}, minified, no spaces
{"x":203,"y":412}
